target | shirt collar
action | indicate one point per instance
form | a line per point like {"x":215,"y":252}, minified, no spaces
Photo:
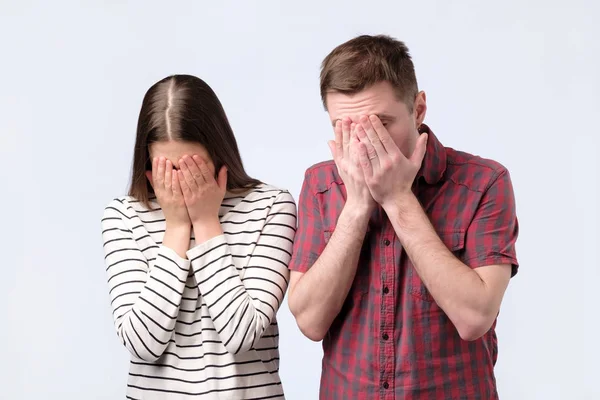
{"x":434,"y":162}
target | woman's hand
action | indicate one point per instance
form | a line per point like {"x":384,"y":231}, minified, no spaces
{"x":165,"y":182}
{"x":203,"y":195}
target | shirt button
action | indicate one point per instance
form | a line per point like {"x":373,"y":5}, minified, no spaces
{"x":386,"y":290}
{"x":386,"y":242}
{"x":385,"y":336}
{"x":386,"y":385}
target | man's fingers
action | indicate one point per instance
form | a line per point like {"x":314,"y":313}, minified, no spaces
{"x":333,"y":149}
{"x":373,"y":136}
{"x":346,"y":127}
{"x":418,"y":154}
{"x":365,"y":162}
{"x":339,"y":147}
{"x":366,"y":142}
{"x":384,"y":136}
{"x":353,"y":150}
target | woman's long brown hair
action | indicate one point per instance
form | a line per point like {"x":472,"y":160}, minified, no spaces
{"x":185,"y":108}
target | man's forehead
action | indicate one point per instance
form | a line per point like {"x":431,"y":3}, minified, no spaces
{"x":355,"y":118}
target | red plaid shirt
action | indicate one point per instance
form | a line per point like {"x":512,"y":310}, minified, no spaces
{"x":391,"y":340}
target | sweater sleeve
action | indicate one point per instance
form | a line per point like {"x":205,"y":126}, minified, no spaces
{"x":145,"y":297}
{"x":242,"y":308}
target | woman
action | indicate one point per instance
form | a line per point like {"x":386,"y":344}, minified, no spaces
{"x":196,"y":255}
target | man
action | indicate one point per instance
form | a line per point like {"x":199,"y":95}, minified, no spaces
{"x":404,"y":247}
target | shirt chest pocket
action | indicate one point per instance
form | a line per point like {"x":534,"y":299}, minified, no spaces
{"x":361,"y":282}
{"x":455,"y":242}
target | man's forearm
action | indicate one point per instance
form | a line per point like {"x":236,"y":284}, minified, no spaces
{"x":320,"y":293}
{"x":456,"y":288}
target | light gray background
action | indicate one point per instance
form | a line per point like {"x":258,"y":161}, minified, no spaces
{"x":514,"y":81}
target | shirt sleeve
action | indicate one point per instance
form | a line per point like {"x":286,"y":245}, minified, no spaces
{"x":491,"y":236}
{"x":310,"y":241}
{"x":145,"y":297}
{"x":242,"y":308}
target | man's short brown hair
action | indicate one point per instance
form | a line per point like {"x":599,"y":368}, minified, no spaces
{"x":366,"y":60}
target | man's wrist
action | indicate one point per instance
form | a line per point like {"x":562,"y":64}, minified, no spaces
{"x":400,"y":205}
{"x":404,"y":211}
{"x":354,"y":216}
{"x":408,"y":218}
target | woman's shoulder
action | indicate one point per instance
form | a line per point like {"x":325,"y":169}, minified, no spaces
{"x":128,"y":206}
{"x":268,"y":190}
{"x":277,"y":199}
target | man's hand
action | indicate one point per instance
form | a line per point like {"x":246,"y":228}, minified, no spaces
{"x":388,"y":173}
{"x":345,"y":150}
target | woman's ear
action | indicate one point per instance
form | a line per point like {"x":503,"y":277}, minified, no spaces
{"x":149,"y":176}
{"x":217,"y":167}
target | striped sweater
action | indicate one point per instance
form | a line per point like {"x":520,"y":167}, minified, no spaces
{"x":204,"y":326}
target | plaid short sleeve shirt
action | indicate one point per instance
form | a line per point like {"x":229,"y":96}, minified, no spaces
{"x":391,"y":340}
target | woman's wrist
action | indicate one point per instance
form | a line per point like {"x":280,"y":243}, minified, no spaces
{"x":178,"y":227}
{"x":177,"y":238}
{"x":206,"y":229}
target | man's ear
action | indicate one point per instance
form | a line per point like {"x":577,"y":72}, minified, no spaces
{"x":420,"y":108}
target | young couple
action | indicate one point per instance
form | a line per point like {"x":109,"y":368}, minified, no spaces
{"x":397,"y":259}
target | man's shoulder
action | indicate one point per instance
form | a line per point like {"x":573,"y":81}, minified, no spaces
{"x":321,"y":176}
{"x":473,"y":171}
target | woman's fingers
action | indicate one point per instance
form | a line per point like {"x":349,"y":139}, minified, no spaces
{"x":187,"y":174}
{"x":194,"y":170}
{"x":168,"y":175}
{"x":159,"y":178}
{"x":204,"y":170}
